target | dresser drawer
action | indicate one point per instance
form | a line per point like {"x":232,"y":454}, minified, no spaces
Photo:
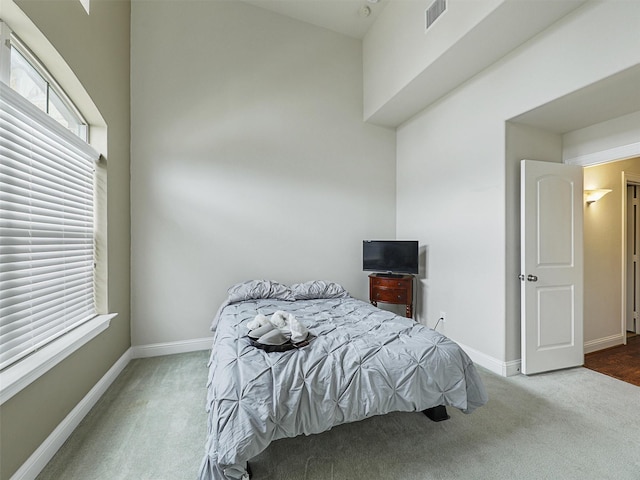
{"x":391,"y":295}
{"x":390,"y":282}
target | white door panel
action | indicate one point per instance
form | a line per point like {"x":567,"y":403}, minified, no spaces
{"x":551,"y":266}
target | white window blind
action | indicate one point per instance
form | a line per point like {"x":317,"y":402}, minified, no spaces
{"x":46,"y":228}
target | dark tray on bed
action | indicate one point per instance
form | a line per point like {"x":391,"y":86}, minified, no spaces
{"x":281,"y":348}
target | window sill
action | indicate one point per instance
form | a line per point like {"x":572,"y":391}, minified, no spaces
{"x":18,"y":376}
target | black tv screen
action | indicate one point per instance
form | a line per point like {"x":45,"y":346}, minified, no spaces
{"x":390,"y":256}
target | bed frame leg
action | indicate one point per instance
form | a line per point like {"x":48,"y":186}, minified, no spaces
{"x":249,"y":471}
{"x":437,"y":414}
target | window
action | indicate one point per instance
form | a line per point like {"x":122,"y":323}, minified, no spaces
{"x":31,"y":79}
{"x":47,"y":239}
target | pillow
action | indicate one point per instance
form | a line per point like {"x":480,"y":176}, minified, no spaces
{"x":253,"y":289}
{"x":318,"y":289}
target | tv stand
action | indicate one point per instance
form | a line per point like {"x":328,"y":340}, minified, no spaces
{"x":389,"y":288}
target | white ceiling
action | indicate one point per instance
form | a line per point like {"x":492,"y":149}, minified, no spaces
{"x":341,"y":16}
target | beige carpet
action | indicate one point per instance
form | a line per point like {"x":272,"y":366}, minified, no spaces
{"x":572,"y":424}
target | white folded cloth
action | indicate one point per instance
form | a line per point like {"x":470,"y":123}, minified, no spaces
{"x":287,"y":324}
{"x":299,"y":332}
{"x":280,"y":319}
{"x":256,"y":333}
{"x":258,"y":321}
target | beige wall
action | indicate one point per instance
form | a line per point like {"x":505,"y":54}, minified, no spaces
{"x":249,"y":159}
{"x":603,"y":255}
{"x":96,"y":47}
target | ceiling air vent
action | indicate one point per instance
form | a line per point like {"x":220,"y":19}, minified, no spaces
{"x":432,"y":13}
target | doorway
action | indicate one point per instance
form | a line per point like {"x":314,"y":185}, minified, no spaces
{"x":632,"y":256}
{"x":609,"y":277}
{"x":621,"y":361}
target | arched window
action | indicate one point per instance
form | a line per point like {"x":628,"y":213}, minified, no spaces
{"x":47,"y":217}
{"x":30,"y":78}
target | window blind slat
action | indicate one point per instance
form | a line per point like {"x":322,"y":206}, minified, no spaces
{"x":17,"y":245}
{"x":47,"y":241}
{"x":73,"y":290}
{"x":20,"y":151}
{"x":20,"y":171}
{"x":14,"y":352}
{"x":51,"y":328}
{"x":42,"y":182}
{"x":46,"y":224}
{"x":42,"y":255}
{"x":14,"y":278}
{"x":43,"y":196}
{"x":15,"y":283}
{"x":41,"y":303}
{"x":43,"y":307}
{"x":44,"y":211}
{"x":47,"y":320}
{"x":19,"y":236}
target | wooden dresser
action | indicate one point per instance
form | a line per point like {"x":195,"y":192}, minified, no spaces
{"x":388,"y":289}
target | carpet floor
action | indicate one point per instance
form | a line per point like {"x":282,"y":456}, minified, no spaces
{"x":621,"y":362}
{"x":571,"y":424}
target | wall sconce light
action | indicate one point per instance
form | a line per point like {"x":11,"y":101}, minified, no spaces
{"x":592,"y":196}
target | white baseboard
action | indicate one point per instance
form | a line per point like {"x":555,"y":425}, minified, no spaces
{"x":604,"y":342}
{"x":505,"y":369}
{"x":170,"y":348}
{"x":508,"y":369}
{"x":45,"y":452}
{"x":512,"y":368}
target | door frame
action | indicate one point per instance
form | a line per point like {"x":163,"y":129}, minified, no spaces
{"x":628,"y":178}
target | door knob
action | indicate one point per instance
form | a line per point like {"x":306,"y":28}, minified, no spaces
{"x":532,"y":278}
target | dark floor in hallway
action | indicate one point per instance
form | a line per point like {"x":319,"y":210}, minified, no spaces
{"x":621,"y":362}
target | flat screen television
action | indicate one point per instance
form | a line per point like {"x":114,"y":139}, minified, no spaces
{"x":391,"y":257}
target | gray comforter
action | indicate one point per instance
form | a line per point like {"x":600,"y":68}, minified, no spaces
{"x":362,"y":362}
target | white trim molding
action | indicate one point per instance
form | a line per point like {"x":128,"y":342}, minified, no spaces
{"x":23,"y":373}
{"x":505,"y":369}
{"x":170,"y":348}
{"x":604,"y":342}
{"x":611,"y":155}
{"x":45,"y":452}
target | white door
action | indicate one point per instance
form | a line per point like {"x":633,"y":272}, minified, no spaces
{"x":551,"y":266}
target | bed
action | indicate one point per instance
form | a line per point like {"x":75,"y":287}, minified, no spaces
{"x":361,"y":361}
